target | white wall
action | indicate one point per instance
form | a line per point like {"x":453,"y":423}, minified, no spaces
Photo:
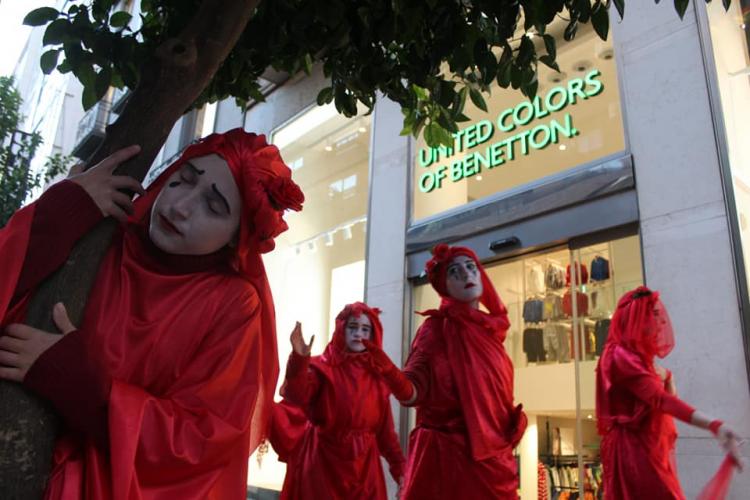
{"x":684,"y":230}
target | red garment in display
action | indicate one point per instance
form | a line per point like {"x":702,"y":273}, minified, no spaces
{"x":349,"y":422}
{"x":180,"y":352}
{"x":467,"y":425}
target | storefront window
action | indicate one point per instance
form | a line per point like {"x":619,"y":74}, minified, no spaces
{"x":730,"y":37}
{"x":318,"y":265}
{"x":574,"y":119}
{"x":556,"y":336}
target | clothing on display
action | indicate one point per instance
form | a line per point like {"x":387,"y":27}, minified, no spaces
{"x":582,"y":301}
{"x":600,"y":269}
{"x":601,"y":330}
{"x":533,"y":345}
{"x":554,"y":277}
{"x":533,"y":311}
{"x":535,"y":280}
{"x":582,"y":277}
{"x":557,"y":342}
{"x":553,"y":307}
{"x":602,"y":302}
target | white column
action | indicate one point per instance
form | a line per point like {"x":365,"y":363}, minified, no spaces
{"x":387,"y":219}
{"x":684,"y":229}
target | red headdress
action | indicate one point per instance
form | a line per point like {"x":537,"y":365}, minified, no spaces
{"x":266,"y":190}
{"x":642,"y":325}
{"x":437,"y":272}
{"x":336,"y":352}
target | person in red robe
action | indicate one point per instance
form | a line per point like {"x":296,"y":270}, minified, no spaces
{"x":166,"y":386}
{"x":460,"y":379}
{"x":635,"y":403}
{"x":349,"y":425}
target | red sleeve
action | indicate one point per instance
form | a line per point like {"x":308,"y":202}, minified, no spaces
{"x":389,"y":445}
{"x":63,"y":214}
{"x":631,"y":372}
{"x":75,"y":383}
{"x":418,"y":366}
{"x":301,"y":383}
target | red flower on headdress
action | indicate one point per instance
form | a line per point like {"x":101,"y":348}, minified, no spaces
{"x":284,"y":194}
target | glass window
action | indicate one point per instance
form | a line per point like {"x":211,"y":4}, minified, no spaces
{"x":556,"y":336}
{"x":730,"y":37}
{"x":574,"y":119}
{"x":318,"y":265}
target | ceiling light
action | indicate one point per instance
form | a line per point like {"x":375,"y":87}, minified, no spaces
{"x":329,"y":239}
{"x":479,"y":177}
{"x":329,"y":148}
{"x":562,"y":147}
{"x":347,"y":232}
{"x":362,"y":130}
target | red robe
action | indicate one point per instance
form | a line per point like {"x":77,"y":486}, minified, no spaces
{"x":467,"y":426}
{"x":159,"y":386}
{"x":634,"y":416}
{"x":349,"y":427}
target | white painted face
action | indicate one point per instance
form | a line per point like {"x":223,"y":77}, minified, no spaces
{"x":197,"y":211}
{"x":463,"y":280}
{"x":357,"y":329}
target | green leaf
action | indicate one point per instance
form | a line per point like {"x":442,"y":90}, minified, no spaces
{"x":477,"y":99}
{"x":88,"y":99}
{"x":120,"y":19}
{"x":308,"y":64}
{"x":620,"y":6}
{"x":420,"y":92}
{"x":681,"y":6}
{"x":325,"y":96}
{"x":86,"y":75}
{"x":56,"y":32}
{"x":550,"y":46}
{"x":600,"y":20}
{"x":549,"y":62}
{"x":48,"y":61}
{"x":40,"y":17}
{"x":102,"y":83}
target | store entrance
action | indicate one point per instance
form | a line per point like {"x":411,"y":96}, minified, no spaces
{"x":559,"y":323}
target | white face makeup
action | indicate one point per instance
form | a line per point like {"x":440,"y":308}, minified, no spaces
{"x":197,"y":211}
{"x":463,"y":280}
{"x":357,"y":329}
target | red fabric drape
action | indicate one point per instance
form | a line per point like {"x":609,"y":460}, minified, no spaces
{"x":191,"y":356}
{"x":634,"y":409}
{"x":349,"y":424}
{"x":467,"y":424}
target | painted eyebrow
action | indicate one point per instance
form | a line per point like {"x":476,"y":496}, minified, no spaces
{"x":194,"y":168}
{"x":226,"y":203}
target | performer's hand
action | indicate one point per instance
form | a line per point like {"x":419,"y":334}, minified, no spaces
{"x":21,"y":345}
{"x":380,"y":361}
{"x":298,"y":341}
{"x":105,"y":188}
{"x":730,"y":441}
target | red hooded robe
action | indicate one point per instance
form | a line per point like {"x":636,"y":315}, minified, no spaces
{"x":633,"y":406}
{"x":349,"y":421}
{"x":166,"y":386}
{"x":467,"y":425}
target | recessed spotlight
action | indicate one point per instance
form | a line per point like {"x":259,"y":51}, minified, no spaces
{"x":479,"y":177}
{"x":562,"y":147}
{"x":362,"y":130}
{"x":329,"y":148}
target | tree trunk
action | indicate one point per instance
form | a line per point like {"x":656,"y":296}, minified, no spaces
{"x":170,"y":82}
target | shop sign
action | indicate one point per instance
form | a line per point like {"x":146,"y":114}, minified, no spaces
{"x":513,"y":143}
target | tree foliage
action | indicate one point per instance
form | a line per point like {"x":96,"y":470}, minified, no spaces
{"x":427,"y":55}
{"x":17,"y":149}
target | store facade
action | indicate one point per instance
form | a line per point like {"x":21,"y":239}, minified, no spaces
{"x":627,"y":167}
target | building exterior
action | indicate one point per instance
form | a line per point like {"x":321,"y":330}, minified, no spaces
{"x":630,"y":163}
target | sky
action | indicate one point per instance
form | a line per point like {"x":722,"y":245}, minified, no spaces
{"x":12,"y":32}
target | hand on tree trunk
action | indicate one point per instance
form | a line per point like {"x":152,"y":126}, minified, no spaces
{"x":21,"y":345}
{"x":105,"y":188}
